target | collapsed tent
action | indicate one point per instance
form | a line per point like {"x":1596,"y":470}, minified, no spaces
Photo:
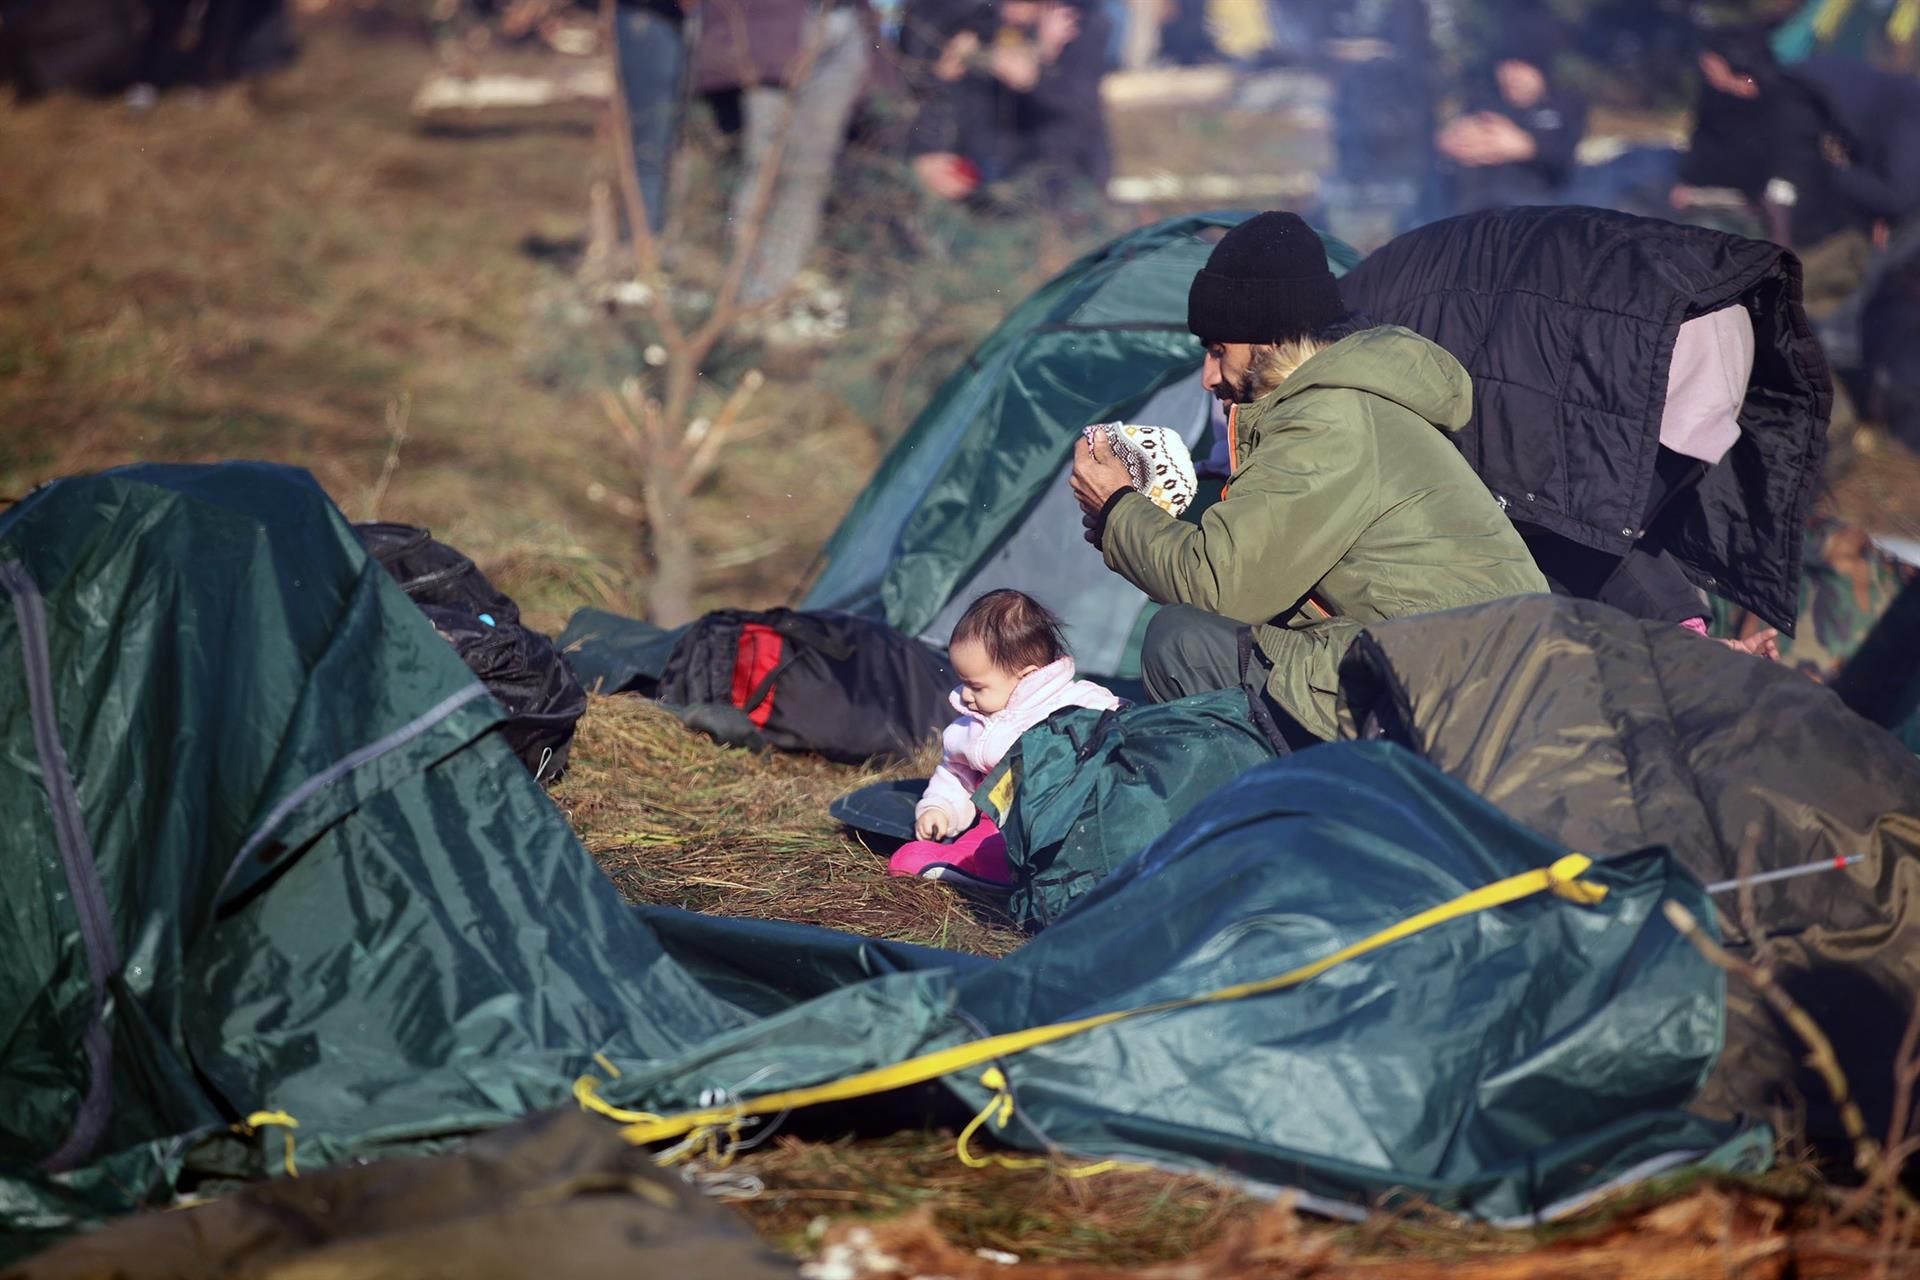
{"x":266,"y":852}
{"x":1605,"y":733}
{"x":1503,"y":1061}
{"x":973,"y":497}
{"x":279,"y":892}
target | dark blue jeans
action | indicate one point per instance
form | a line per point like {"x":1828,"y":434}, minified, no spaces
{"x":653,"y":64}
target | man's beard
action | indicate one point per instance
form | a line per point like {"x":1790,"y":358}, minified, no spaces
{"x":1240,"y":390}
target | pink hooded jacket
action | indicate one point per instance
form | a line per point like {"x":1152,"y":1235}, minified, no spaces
{"x":975,"y":744}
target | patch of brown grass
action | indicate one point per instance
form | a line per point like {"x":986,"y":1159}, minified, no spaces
{"x":264,"y":271}
{"x":1119,"y":1219}
{"x":680,"y":820}
{"x":1715,"y":1231}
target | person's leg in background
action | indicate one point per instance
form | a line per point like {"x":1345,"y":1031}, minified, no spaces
{"x":1140,"y":42}
{"x":821,"y":105}
{"x":653,"y":61}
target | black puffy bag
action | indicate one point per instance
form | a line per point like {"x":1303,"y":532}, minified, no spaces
{"x":520,"y":667}
{"x":848,"y":688}
{"x":432,"y":572}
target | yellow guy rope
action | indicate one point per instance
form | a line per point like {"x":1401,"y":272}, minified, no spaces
{"x":1831,"y":15}
{"x":1000,"y":1108}
{"x":278,"y":1119}
{"x":1905,"y":22}
{"x":1561,"y":879}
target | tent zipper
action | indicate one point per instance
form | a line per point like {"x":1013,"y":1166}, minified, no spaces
{"x":76,"y":856}
{"x":345,"y":765}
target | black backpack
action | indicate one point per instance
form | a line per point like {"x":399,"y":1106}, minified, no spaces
{"x":520,"y":667}
{"x":845,"y":687}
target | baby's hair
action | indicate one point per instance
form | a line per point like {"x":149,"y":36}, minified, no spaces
{"x":1016,"y":630}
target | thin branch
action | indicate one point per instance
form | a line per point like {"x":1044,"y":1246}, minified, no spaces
{"x":1820,"y":1054}
{"x":706,"y":453}
{"x":1748,"y":869}
{"x":399,"y":409}
{"x":1900,"y":1147}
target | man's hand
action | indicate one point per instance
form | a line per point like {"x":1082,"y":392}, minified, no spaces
{"x":1098,"y":474}
{"x":1016,"y":66}
{"x":932,"y":824}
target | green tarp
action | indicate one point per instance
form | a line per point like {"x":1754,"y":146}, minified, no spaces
{"x":1092,"y":788}
{"x":1499,"y":1064}
{"x":613,"y":654}
{"x":264,"y":853}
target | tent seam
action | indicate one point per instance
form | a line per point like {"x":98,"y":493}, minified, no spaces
{"x":345,"y":765}
{"x":77,"y":859}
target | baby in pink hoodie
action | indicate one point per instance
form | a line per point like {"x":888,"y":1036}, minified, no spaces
{"x":1014,"y":672}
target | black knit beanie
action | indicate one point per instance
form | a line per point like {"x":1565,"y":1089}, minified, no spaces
{"x":1266,"y":281}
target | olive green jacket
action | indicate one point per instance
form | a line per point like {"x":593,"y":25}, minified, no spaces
{"x":1344,"y":491}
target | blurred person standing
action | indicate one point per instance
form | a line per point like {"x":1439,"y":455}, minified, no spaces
{"x":1828,"y":153}
{"x":945,"y":49}
{"x":756,"y":49}
{"x":1874,"y":147}
{"x":650,"y":44}
{"x":1384,"y":68}
{"x":1759,"y":131}
{"x":1515,"y":141}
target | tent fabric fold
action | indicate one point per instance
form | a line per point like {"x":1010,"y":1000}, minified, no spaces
{"x":1605,"y":733}
{"x":1499,"y":1064}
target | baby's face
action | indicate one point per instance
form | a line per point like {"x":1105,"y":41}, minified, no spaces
{"x":984,"y":687}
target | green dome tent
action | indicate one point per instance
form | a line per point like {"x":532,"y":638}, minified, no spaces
{"x":974,"y":496}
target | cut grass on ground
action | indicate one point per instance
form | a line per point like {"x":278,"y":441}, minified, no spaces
{"x":679,"y":820}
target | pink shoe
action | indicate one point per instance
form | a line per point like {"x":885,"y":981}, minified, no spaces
{"x":976,"y":859}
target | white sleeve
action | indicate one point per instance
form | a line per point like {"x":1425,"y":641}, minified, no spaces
{"x":947,"y":792}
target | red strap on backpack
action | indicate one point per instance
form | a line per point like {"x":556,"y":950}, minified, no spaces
{"x":754,"y":664}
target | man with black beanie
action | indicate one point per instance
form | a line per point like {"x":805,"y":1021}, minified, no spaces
{"x":1347,"y":505}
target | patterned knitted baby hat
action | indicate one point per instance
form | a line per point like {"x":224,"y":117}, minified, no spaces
{"x":1157,"y":462}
